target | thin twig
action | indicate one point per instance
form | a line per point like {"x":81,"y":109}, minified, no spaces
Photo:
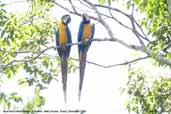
{"x":112,"y":17}
{"x":55,"y":47}
{"x":104,"y":66}
{"x":48,"y":48}
{"x":73,"y":7}
{"x":136,"y":32}
{"x":128,"y":16}
{"x":145,"y":36}
{"x":114,"y":65}
{"x":85,"y":4}
{"x":111,"y":8}
{"x":70,"y":11}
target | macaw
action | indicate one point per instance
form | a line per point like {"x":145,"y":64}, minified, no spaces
{"x":85,"y":35}
{"x":63,"y":37}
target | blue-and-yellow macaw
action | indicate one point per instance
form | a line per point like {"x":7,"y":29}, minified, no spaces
{"x":85,"y":35}
{"x":63,"y":37}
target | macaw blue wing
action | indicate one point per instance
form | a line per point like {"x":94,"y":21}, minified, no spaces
{"x":80,"y":32}
{"x":69,"y":41}
{"x":82,"y":56}
{"x":93,"y":29}
{"x":64,"y":63}
{"x":56,"y":37}
{"x":64,"y":53}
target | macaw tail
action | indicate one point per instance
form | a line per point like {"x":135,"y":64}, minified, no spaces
{"x":64,"y":67}
{"x":82,"y":71}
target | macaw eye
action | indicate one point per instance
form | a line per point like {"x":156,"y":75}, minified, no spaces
{"x":87,"y":18}
{"x":65,"y":18}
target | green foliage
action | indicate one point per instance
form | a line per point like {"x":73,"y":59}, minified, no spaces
{"x":157,"y":22}
{"x":35,"y":104}
{"x":148,"y":94}
{"x":22,"y":37}
{"x":7,"y":100}
{"x":105,"y":1}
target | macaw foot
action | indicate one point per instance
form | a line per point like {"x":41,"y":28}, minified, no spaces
{"x":63,"y":46}
{"x":86,"y":41}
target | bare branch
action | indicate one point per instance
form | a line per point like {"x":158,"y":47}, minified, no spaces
{"x":83,"y":10}
{"x":73,"y":7}
{"x":132,"y":13}
{"x":68,"y":10}
{"x":158,"y":56}
{"x":55,"y":47}
{"x":136,"y":32}
{"x":145,"y":36}
{"x":128,"y":16}
{"x":112,"y":17}
{"x":85,"y":4}
{"x":105,"y":66}
{"x":28,"y":60}
{"x":51,"y":47}
{"x":110,"y":31}
{"x":141,"y":48}
{"x":100,"y":19}
{"x":111,"y":8}
{"x":114,"y":65}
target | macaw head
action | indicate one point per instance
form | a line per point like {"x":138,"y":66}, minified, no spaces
{"x":66,"y":19}
{"x":86,"y":18}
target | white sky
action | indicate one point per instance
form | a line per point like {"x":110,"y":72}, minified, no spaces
{"x":100,"y":94}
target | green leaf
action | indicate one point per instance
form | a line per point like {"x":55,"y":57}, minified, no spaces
{"x":15,"y":97}
{"x":105,"y":1}
{"x":38,"y":100}
{"x":168,"y":56}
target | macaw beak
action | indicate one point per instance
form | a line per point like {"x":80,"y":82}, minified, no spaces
{"x":86,"y":17}
{"x":66,"y":19}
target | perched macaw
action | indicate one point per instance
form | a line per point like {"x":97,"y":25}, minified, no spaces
{"x":85,"y":35}
{"x":63,"y":37}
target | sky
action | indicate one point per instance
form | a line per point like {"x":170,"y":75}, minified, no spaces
{"x":101,"y":93}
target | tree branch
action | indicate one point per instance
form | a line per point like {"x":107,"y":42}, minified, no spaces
{"x":105,"y":66}
{"x":110,"y":31}
{"x":66,"y":9}
{"x":127,"y":15}
{"x":73,"y":7}
{"x":114,"y":65}
{"x":111,"y":8}
{"x":145,"y":36}
{"x":70,"y":11}
{"x":48,"y":48}
{"x":69,"y":44}
{"x":136,"y":32}
{"x":141,"y":48}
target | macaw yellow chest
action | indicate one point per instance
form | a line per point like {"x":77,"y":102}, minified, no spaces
{"x":87,"y":31}
{"x":62,"y":33}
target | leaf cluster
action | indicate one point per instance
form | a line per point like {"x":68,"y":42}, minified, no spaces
{"x":156,"y":21}
{"x":22,"y":37}
{"x":148,"y":94}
